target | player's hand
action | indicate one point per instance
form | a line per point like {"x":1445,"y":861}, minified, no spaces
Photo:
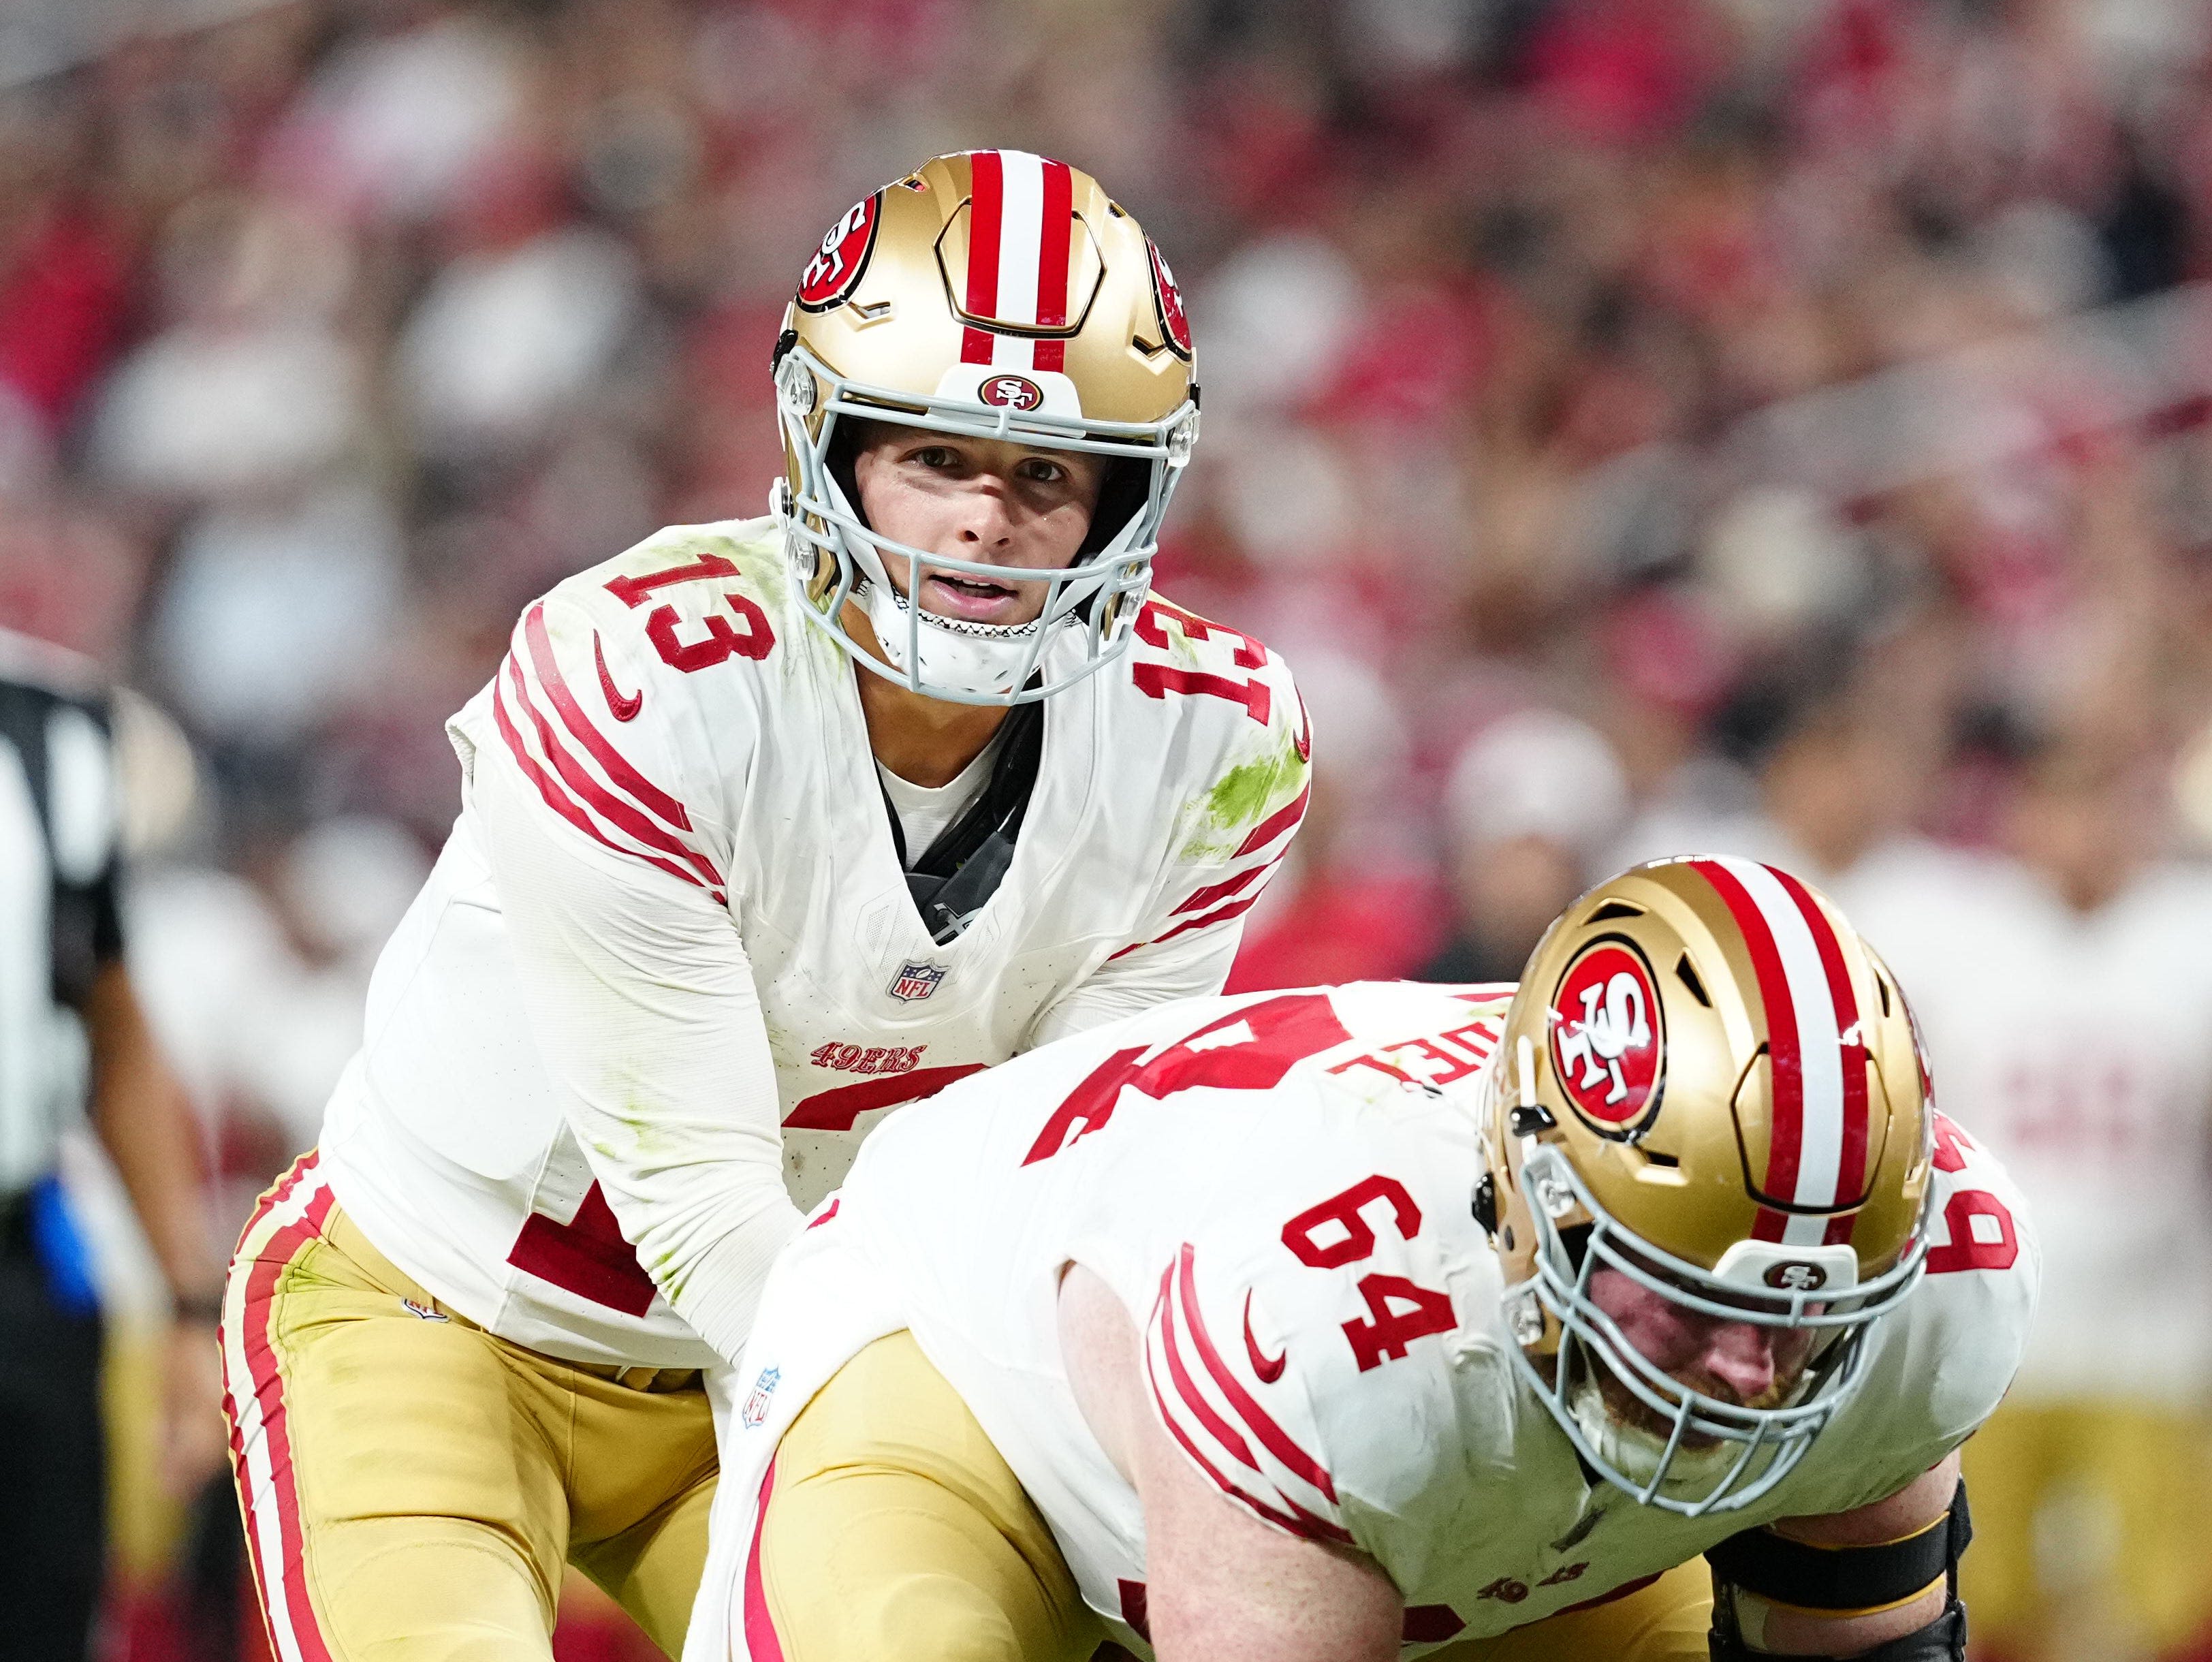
{"x":192,"y":1433}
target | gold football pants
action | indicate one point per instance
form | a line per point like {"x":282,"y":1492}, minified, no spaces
{"x":412,"y":1485}
{"x":894,"y":1528}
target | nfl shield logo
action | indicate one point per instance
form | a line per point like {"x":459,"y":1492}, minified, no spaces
{"x":756,"y":1408}
{"x":917,"y":981}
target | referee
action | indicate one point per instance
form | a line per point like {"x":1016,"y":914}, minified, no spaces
{"x":73,"y":1044}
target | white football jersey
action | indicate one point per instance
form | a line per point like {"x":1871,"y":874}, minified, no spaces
{"x":669,"y":725}
{"x":1279,"y":1187}
{"x":2079,"y":1047}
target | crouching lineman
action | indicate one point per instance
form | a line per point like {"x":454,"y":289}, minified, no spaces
{"x":770,"y":827}
{"x":1336,"y":1326}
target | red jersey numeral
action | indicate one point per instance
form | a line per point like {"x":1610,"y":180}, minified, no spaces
{"x":587,"y":1255}
{"x":1302,"y":1234}
{"x":632,"y":591}
{"x":1337,"y":1232}
{"x":1386,"y":1337}
{"x":1157,"y":680}
{"x":1965,"y":1249}
{"x":723,"y":641}
{"x":1151,"y":629}
{"x":1279,"y":1032}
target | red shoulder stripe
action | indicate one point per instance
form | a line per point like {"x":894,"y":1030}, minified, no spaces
{"x":1277,"y":1441}
{"x":1298,"y":1520}
{"x":1212,"y":891}
{"x":1185,"y":1386}
{"x":558,"y":801}
{"x":625,"y":777}
{"x":1276,"y":823}
{"x":609,"y":805}
{"x":1222,"y":914}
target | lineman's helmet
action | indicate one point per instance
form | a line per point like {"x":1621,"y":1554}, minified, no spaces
{"x":1709,"y":1083}
{"x":1000,"y":294}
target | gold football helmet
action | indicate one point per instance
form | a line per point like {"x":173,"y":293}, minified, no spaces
{"x":1000,"y":294}
{"x":1709,"y":1083}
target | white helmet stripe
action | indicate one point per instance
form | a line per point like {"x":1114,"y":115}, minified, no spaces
{"x":1021,"y":225}
{"x":1805,"y":1034}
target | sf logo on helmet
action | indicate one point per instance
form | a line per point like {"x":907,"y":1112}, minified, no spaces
{"x":1012,"y":392}
{"x":835,"y":271}
{"x":1604,"y":1047}
{"x":1796,"y":1277}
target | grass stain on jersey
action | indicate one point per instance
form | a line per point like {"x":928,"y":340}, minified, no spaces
{"x":1243,"y":796}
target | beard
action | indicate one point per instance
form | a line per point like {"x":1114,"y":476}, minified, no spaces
{"x":1631,"y":1411}
{"x":1631,"y":1436}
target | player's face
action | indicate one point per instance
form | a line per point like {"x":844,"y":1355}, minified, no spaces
{"x":1745,"y":1363}
{"x":987,"y":500}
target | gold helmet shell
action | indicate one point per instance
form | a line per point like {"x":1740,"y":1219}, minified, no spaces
{"x":1707,"y":1082}
{"x":1000,"y":295}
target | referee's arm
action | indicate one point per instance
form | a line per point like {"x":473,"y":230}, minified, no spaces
{"x":139,"y":1110}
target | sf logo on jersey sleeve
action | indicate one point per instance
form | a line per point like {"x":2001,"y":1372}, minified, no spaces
{"x":1604,"y":1045}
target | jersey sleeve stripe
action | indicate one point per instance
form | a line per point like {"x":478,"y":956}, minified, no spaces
{"x":1206,"y":897}
{"x":1297,"y":1519}
{"x":558,"y":801}
{"x":1219,"y":915}
{"x":624,"y":776}
{"x":596,"y":796}
{"x":1277,"y":1441}
{"x":1282,"y":820}
{"x":1186,"y":1388}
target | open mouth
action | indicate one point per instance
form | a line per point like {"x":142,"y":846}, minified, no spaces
{"x":977,"y":600}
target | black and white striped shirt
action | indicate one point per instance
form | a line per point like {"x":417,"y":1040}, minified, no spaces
{"x":59,"y":926}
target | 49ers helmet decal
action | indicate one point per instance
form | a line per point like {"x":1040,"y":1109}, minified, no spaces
{"x":842,"y":261}
{"x":1608,"y":1041}
{"x":997,"y":295}
{"x":1707,"y":1084}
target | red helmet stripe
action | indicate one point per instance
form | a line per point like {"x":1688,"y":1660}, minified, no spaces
{"x":1782,"y":1065}
{"x":985,"y":222}
{"x":1811,"y":1067}
{"x":1055,"y":233}
{"x":1850,"y":1043}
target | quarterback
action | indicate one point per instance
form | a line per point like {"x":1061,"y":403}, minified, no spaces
{"x":1389,"y":1320}
{"x":769,"y":827}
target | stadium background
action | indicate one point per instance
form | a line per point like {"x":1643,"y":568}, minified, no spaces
{"x":1770,"y":424}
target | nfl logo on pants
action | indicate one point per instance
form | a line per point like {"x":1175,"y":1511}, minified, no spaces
{"x":917,"y":981}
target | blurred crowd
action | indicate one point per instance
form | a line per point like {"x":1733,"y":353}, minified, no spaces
{"x":1775,"y":426}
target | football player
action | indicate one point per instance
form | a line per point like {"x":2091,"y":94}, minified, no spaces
{"x":769,"y":826}
{"x":1335,"y":1325}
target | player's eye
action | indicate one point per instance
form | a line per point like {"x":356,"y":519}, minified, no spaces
{"x":1042,"y":471}
{"x":936,"y":455}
